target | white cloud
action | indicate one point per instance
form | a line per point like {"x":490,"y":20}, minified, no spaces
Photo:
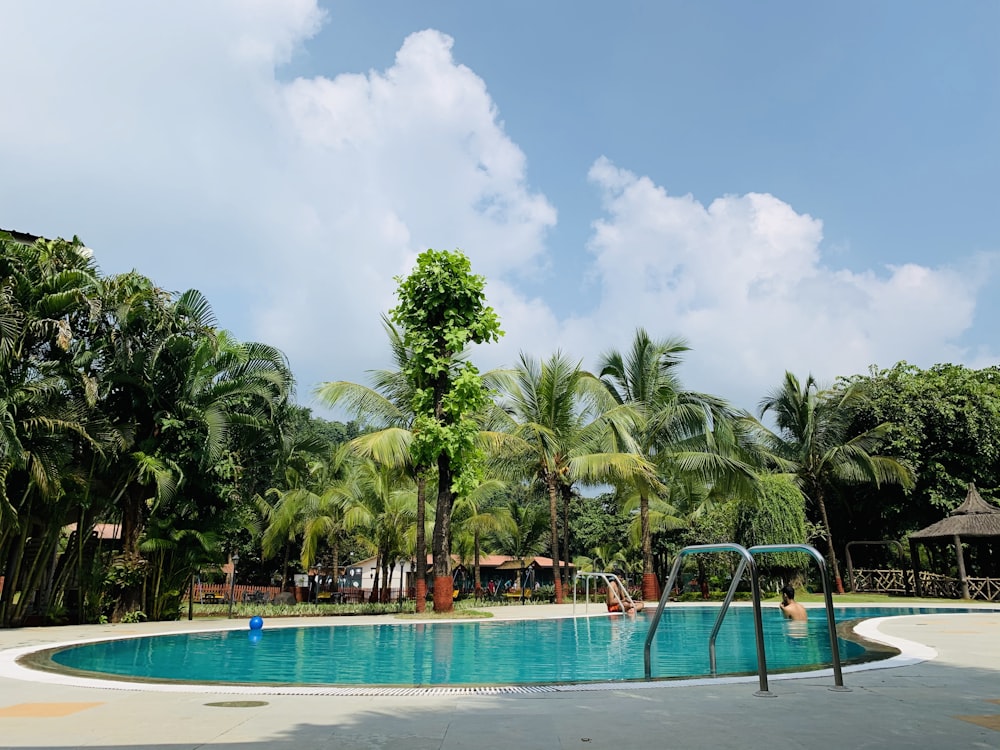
{"x":161,"y":134}
{"x":163,"y":137}
{"x":392,"y":163}
{"x":743,"y":280}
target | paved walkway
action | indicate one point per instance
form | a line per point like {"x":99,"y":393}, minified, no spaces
{"x":951,"y":700}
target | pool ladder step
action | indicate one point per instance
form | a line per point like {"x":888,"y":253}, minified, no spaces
{"x":747,"y":561}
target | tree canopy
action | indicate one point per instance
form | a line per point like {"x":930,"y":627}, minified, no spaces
{"x":442,"y":309}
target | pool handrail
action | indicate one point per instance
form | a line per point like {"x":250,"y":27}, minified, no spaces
{"x":737,"y":577}
{"x":747,"y":561}
{"x":838,"y":675}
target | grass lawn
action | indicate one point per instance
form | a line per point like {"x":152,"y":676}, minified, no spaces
{"x":457,"y":614}
{"x":897,"y":601}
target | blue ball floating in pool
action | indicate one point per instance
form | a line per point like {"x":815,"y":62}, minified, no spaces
{"x":256,"y":622}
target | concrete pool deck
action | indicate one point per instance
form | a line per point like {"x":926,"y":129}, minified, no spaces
{"x":950,"y":700}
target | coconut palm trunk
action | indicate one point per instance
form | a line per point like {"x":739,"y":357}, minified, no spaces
{"x":650,"y":584}
{"x":830,"y":551}
{"x":550,"y":481}
{"x":564,"y":572}
{"x":477,"y":581}
{"x":815,"y":442}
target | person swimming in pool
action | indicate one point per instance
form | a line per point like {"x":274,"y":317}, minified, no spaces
{"x":789,"y":607}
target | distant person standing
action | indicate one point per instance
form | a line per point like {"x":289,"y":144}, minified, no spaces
{"x":789,"y":607}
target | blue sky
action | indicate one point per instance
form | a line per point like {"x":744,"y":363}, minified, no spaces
{"x":810,"y":187}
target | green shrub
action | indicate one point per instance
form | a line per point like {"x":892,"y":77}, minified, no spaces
{"x":242,"y":610}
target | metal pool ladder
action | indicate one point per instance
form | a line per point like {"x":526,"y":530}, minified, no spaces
{"x":824,"y":574}
{"x":746,"y":561}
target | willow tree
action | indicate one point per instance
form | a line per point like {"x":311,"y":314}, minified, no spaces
{"x":776,"y":516}
{"x":442,"y":309}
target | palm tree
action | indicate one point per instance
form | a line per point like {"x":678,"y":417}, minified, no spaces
{"x":601,"y":559}
{"x":522,"y":531}
{"x":476,"y":516}
{"x":814,"y":444}
{"x":277,"y":522}
{"x":308,"y":508}
{"x":571,"y":431}
{"x":380,"y":509}
{"x":179,"y":392}
{"x":388,"y":406}
{"x":47,"y":421}
{"x":676,"y":430}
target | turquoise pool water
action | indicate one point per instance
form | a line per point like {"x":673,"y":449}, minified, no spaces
{"x":593,"y":649}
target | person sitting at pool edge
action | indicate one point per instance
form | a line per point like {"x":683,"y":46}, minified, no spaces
{"x":617,"y":602}
{"x":789,"y":607}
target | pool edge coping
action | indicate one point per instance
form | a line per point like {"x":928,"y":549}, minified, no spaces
{"x":910,"y":653}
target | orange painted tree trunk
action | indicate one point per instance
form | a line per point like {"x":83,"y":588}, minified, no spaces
{"x":443,"y":583}
{"x":650,"y":585}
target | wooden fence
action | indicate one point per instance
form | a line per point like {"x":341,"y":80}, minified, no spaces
{"x":891,"y":581}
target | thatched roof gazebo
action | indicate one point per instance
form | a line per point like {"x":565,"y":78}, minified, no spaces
{"x":973,"y":518}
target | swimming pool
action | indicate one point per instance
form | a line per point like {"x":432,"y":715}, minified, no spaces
{"x":476,"y":653}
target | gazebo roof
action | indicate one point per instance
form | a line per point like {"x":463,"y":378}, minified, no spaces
{"x":974,"y":517}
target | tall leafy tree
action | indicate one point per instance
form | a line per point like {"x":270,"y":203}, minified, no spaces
{"x":442,"y":309}
{"x":814,"y":443}
{"x":776,"y":516}
{"x":945,"y":423}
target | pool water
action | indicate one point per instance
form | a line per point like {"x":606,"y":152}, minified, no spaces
{"x":589,"y":649}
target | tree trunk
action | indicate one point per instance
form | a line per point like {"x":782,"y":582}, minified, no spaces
{"x":550,"y":481}
{"x":12,"y":582}
{"x":477,"y":582}
{"x":443,"y":599}
{"x":834,"y":568}
{"x":284,"y":566}
{"x":129,"y":597}
{"x":420,"y":571}
{"x":373,"y":595}
{"x":336,"y":565}
{"x":387,"y":580}
{"x":564,"y":572}
{"x":81,"y":616}
{"x":650,"y":586}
